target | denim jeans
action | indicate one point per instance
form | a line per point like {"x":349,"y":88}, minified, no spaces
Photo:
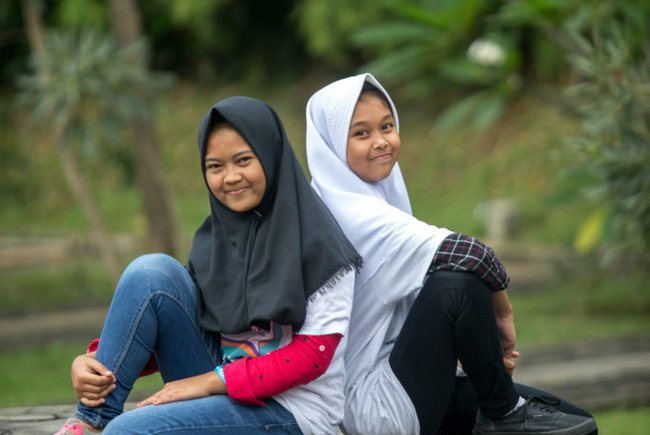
{"x":154,"y":310}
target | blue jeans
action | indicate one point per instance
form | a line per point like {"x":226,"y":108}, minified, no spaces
{"x":154,"y":310}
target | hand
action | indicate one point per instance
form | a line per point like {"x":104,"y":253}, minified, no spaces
{"x":510,"y":362}
{"x":91,"y":380}
{"x":186,"y":389}
{"x":506,"y":327}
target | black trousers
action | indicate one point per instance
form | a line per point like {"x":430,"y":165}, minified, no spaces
{"x":453,"y":319}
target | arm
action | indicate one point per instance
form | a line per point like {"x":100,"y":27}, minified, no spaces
{"x":459,"y":252}
{"x":328,"y":315}
{"x":298,"y":363}
{"x":308,"y":355}
{"x":251,"y":379}
{"x":185,"y":389}
{"x":506,"y":326}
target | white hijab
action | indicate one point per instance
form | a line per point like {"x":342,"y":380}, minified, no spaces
{"x":376,"y":216}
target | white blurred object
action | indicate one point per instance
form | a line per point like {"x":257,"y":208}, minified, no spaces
{"x":500,"y":217}
{"x":486,"y":52}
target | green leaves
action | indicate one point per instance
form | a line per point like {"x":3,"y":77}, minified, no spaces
{"x":612,"y":100}
{"x":85,"y":86}
{"x":479,"y":109}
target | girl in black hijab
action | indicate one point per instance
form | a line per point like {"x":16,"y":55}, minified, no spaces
{"x":247,"y":336}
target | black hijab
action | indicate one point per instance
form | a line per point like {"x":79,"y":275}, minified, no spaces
{"x":263,"y":265}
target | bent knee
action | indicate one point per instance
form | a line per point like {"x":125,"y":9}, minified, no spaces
{"x":154,"y":271}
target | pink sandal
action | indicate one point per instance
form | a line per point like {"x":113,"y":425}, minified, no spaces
{"x":72,"y":426}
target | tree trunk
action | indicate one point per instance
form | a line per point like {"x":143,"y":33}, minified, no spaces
{"x":34,"y":27}
{"x":74,"y":178}
{"x":157,"y":204}
{"x":80,"y":190}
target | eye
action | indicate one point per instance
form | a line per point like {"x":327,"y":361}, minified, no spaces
{"x":213,"y":166}
{"x":244,"y":160}
{"x":360,"y":133}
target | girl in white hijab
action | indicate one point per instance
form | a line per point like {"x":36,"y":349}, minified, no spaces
{"x":414,"y":315}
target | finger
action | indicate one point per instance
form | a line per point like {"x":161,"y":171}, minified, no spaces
{"x":98,"y":390}
{"x":94,"y":382}
{"x":88,"y":390}
{"x":92,"y":403}
{"x":90,"y":396}
{"x":151,"y":400}
{"x":98,"y":367}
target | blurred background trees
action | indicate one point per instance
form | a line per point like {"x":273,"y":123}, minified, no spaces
{"x":541,"y":106}
{"x":467,"y":61}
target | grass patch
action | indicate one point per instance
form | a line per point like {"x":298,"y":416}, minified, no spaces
{"x":583,"y":307}
{"x":634,"y":421}
{"x":79,"y":282}
{"x":42,"y":376}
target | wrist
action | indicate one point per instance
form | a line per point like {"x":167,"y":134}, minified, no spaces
{"x":215,"y":384}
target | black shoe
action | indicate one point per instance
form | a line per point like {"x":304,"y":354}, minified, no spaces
{"x":536,"y":416}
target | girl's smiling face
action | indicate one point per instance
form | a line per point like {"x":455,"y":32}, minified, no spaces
{"x":373,"y":140}
{"x":233,"y":172}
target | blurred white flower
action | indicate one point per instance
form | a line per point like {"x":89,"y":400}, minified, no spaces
{"x":486,"y":53}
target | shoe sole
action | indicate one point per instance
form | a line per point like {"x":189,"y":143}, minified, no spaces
{"x":585,"y":428}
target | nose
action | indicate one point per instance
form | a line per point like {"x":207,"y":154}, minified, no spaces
{"x":231,"y":176}
{"x":380,"y":143}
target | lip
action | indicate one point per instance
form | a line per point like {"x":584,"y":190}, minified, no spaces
{"x":382,"y":157}
{"x":236,"y":192}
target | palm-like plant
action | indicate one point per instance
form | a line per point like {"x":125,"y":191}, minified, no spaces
{"x":613,"y":102}
{"x":86,"y":90}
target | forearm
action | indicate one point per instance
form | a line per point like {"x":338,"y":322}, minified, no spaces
{"x":300,"y":362}
{"x":502,"y":305}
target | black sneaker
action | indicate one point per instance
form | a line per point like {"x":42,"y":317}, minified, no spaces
{"x":536,"y":416}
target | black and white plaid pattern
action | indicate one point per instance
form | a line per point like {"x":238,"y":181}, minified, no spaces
{"x":461,"y":253}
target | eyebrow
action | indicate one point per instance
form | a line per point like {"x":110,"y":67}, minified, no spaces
{"x":364,"y":122}
{"x":234,"y":156}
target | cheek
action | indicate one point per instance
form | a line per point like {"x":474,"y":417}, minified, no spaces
{"x":354,"y":154}
{"x":396,"y":145}
{"x":256,"y":176}
{"x":213,"y":184}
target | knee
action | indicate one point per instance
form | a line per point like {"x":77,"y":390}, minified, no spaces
{"x":152,"y":262}
{"x":466,"y":285}
{"x":152,"y":270}
{"x":153,"y":265}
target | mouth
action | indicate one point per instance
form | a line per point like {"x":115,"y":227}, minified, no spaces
{"x":236,"y":192}
{"x":382,"y":158}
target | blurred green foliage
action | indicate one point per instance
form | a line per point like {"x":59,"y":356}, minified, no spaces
{"x":613,"y":103}
{"x":448,"y":63}
{"x":17,"y":386}
{"x":466,"y":62}
{"x":87,"y":89}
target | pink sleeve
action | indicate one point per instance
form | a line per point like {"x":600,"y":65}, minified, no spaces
{"x":300,"y":362}
{"x":149,"y":369}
